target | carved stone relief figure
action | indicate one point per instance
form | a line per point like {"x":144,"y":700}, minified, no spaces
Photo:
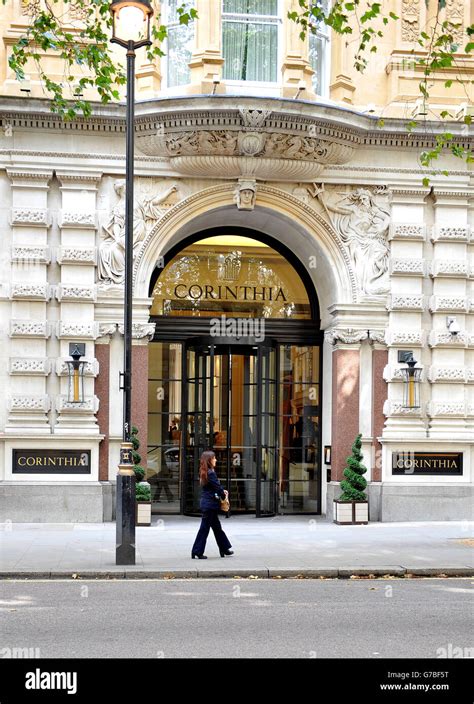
{"x":111,"y":263}
{"x":245,"y":194}
{"x":363,"y":227}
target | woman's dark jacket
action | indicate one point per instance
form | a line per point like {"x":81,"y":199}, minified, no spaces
{"x":209,"y":490}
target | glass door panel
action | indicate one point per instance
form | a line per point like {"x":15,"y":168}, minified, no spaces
{"x":299,"y":412}
{"x":231,"y":409}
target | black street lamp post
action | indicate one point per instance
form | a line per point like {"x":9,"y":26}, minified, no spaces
{"x":131,"y":30}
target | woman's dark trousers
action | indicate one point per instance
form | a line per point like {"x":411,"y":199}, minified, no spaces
{"x":210,"y":519}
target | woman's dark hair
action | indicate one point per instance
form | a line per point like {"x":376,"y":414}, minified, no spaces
{"x":205,"y":465}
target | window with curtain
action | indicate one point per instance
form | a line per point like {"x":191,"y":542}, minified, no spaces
{"x":180,"y":44}
{"x":250,"y":40}
{"x":319,"y":54}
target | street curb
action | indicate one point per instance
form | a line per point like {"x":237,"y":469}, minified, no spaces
{"x":341,"y":573}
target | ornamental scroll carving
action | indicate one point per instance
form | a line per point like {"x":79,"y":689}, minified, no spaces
{"x":140,"y":330}
{"x":347,"y":336}
{"x":111,"y":263}
{"x":362,"y":226}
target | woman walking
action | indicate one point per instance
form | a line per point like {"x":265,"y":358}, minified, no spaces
{"x":211,"y":494}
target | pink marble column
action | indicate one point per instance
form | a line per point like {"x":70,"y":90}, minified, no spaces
{"x":379,"y":396}
{"x":140,"y":396}
{"x":101,"y":390}
{"x":345,"y":407}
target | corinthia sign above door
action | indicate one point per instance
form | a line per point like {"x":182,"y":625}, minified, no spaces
{"x":51,"y":462}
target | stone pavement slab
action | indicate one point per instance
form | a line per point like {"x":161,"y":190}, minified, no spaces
{"x":285,"y":546}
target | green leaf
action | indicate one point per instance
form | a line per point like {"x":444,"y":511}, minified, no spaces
{"x":448,"y":84}
{"x":468,"y":119}
{"x":426,"y":182}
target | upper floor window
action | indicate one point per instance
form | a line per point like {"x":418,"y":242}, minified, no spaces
{"x":179,"y":47}
{"x":250,"y":31}
{"x":319,"y":55}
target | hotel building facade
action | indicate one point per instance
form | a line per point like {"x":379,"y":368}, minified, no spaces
{"x":287,"y":258}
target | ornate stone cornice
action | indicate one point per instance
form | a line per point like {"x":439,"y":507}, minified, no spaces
{"x":29,"y":179}
{"x":85,"y":181}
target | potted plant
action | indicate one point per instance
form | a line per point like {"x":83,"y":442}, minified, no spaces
{"x":352,"y":506}
{"x":142,"y":488}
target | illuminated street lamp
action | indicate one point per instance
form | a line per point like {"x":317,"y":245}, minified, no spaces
{"x":131,"y":30}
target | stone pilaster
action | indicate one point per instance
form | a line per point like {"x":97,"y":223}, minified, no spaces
{"x":296,"y":67}
{"x":407,"y":306}
{"x":207,"y":60}
{"x":29,"y":292}
{"x":77,"y":294}
{"x":449,"y":271}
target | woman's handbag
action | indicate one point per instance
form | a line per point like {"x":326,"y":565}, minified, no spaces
{"x":225,"y":504}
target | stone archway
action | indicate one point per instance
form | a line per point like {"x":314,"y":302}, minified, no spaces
{"x":277,"y":214}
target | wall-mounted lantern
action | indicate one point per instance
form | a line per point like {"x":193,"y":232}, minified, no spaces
{"x":75,"y":370}
{"x":411,"y":377}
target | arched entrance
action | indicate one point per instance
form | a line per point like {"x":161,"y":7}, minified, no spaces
{"x":235,"y":366}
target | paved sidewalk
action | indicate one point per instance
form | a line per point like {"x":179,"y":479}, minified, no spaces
{"x":266,"y":547}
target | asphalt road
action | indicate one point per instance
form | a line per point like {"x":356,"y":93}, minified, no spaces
{"x":425,"y":618}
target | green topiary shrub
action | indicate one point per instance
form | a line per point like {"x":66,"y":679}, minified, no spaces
{"x":354,"y":485}
{"x":142,"y":493}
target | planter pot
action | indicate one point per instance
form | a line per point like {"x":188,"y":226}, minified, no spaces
{"x":351,"y":512}
{"x":143,"y":514}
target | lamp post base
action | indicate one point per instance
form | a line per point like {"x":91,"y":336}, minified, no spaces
{"x":125,"y":511}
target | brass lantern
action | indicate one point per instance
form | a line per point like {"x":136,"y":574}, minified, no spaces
{"x":75,"y":370}
{"x":411,"y":377}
